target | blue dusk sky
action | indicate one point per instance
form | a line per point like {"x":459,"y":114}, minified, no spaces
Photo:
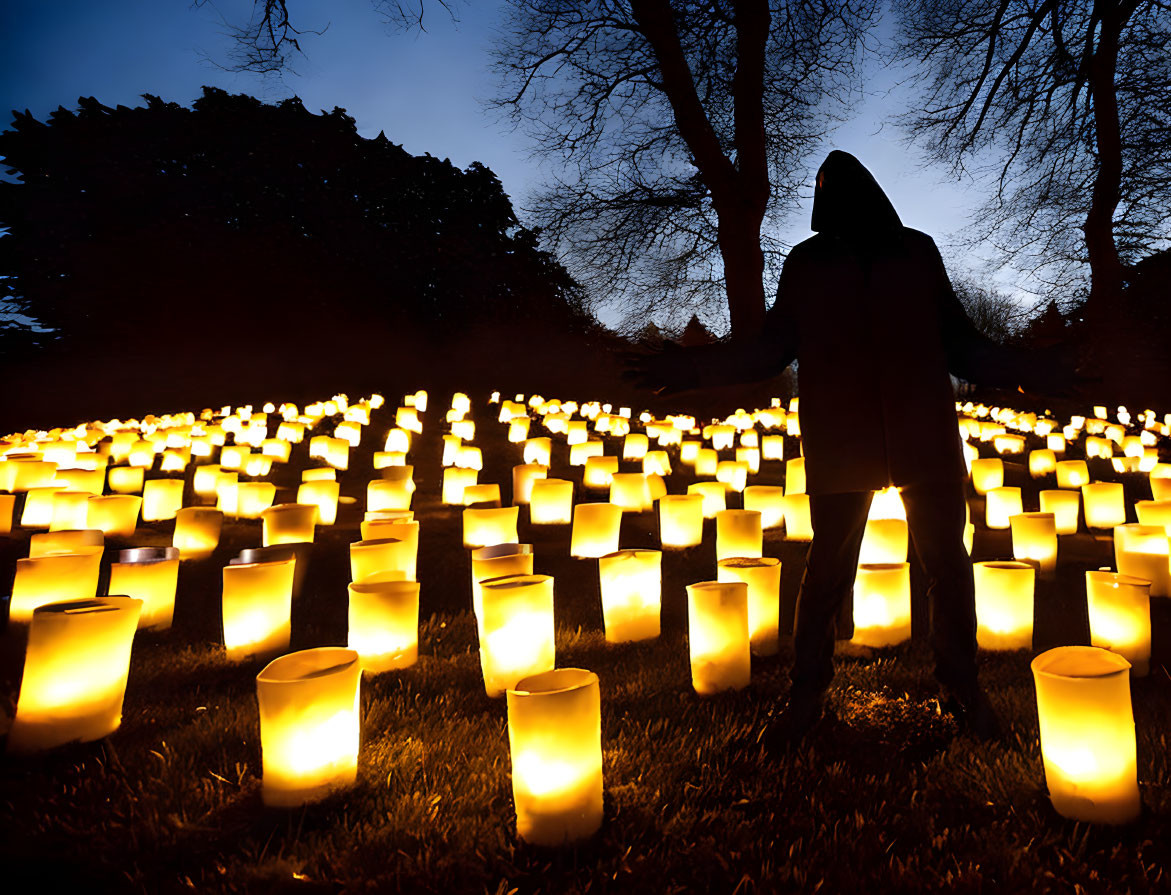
{"x":425,"y":90}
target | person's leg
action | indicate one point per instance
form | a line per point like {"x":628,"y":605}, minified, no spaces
{"x":935,"y":521}
{"x":839,"y":521}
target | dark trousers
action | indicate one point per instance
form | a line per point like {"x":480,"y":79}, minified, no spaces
{"x":935,"y":522}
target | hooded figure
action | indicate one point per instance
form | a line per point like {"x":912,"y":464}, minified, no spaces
{"x":867,"y":310}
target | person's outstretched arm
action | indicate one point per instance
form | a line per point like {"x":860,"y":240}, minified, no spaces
{"x":976,"y":358}
{"x":727,"y":362}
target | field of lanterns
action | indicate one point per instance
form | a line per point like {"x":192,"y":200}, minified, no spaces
{"x":492,"y":642}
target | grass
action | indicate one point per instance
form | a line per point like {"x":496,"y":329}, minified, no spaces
{"x":887,"y":797}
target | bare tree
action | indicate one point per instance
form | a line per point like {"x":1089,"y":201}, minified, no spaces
{"x":268,"y":42}
{"x":1068,"y":104}
{"x":685,"y":130}
{"x":993,"y":312}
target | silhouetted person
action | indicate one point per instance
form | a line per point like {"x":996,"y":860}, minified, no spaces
{"x":866,"y":309}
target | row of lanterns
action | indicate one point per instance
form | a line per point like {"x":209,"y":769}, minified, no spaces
{"x":743,"y":599}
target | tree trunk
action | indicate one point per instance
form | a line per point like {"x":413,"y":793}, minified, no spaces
{"x":1105,"y":265}
{"x":739,"y":190}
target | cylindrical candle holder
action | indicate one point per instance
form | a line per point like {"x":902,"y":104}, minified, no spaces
{"x":323,"y":493}
{"x":763,"y":577}
{"x":289,"y":523}
{"x":631,"y":587}
{"x":1104,"y":504}
{"x":1000,"y":505}
{"x":1072,"y":473}
{"x":1065,"y":507}
{"x":75,"y":670}
{"x":517,"y":630}
{"x":1141,"y":551}
{"x":310,"y":726}
{"x":717,"y":634}
{"x":630,"y":491}
{"x":115,"y":515}
{"x":680,"y":521}
{"x":1087,"y":734}
{"x":53,"y":578}
{"x":380,"y":555}
{"x":738,"y":533}
{"x":161,"y":499}
{"x":882,"y":604}
{"x":257,"y":602}
{"x":523,"y":478}
{"x":384,"y":622}
{"x":555,"y":743}
{"x":485,"y":526}
{"x":551,"y":502}
{"x":1034,"y":539}
{"x":1004,"y":604}
{"x":496,"y":561}
{"x":987,"y":474}
{"x":769,"y":501}
{"x":884,"y":541}
{"x":798,"y":518}
{"x":595,"y":531}
{"x":714,"y":494}
{"x":149,"y":574}
{"x":1120,"y":617}
{"x":197,"y":531}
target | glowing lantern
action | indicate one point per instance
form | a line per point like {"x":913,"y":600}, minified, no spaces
{"x":398,"y":441}
{"x":517,"y":629}
{"x":538,"y":451}
{"x":631,"y":492}
{"x":469,"y":457}
{"x":634,"y":446}
{"x":309,"y":724}
{"x":772,"y":447}
{"x":88,"y":480}
{"x":380,"y":555}
{"x":707,"y":461}
{"x":555,"y":743}
{"x":599,"y":470}
{"x":795,"y":475}
{"x":1042,"y":463}
{"x":257,"y":600}
{"x":1104,"y":504}
{"x":882,"y":604}
{"x":987,"y":474}
{"x":1141,"y":551}
{"x":197,"y":531}
{"x":404,"y":530}
{"x":232,"y":456}
{"x":738,"y":533}
{"x":518,"y":429}
{"x":149,"y":574}
{"x":70,"y":509}
{"x":465,"y":430}
{"x":408,"y":418}
{"x":142,"y":454}
{"x":714,"y":495}
{"x":253,"y":498}
{"x":1055,"y":443}
{"x":1034,"y":540}
{"x":523,"y":477}
{"x":681,"y":521}
{"x":384,"y":622}
{"x":38,"y":506}
{"x":717,"y":634}
{"x":390,"y":494}
{"x":733,"y":473}
{"x":25,"y":475}
{"x":289,"y":523}
{"x":1154,"y":512}
{"x":688,"y":451}
{"x":798,"y":518}
{"x":551,"y":502}
{"x":455,"y":480}
{"x":1072,"y":473}
{"x":580,"y":453}
{"x":1064,"y":505}
{"x":749,"y":456}
{"x":226,"y":490}
{"x":484,"y":526}
{"x":1120,"y":616}
{"x":75,"y":671}
{"x":763,"y":577}
{"x":595,"y":529}
{"x":204,"y":481}
{"x":161,"y":499}
{"x":1001,"y":504}
{"x":1004,"y":604}
{"x":7,"y":505}
{"x":115,"y":515}
{"x":769,"y":501}
{"x":324,"y":495}
{"x":127,"y":479}
{"x":497,"y":561}
{"x":1087,"y":733}
{"x":53,"y":578}
{"x":631,"y":587}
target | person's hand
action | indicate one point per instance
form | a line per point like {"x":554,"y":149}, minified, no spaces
{"x":664,"y":371}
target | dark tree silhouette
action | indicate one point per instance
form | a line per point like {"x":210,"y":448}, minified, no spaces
{"x":234,"y":226}
{"x":1069,"y":103}
{"x":687,"y":125}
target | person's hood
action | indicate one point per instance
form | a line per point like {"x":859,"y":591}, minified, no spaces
{"x":848,"y":201}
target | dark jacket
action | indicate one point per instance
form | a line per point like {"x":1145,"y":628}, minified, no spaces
{"x":867,"y":310}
